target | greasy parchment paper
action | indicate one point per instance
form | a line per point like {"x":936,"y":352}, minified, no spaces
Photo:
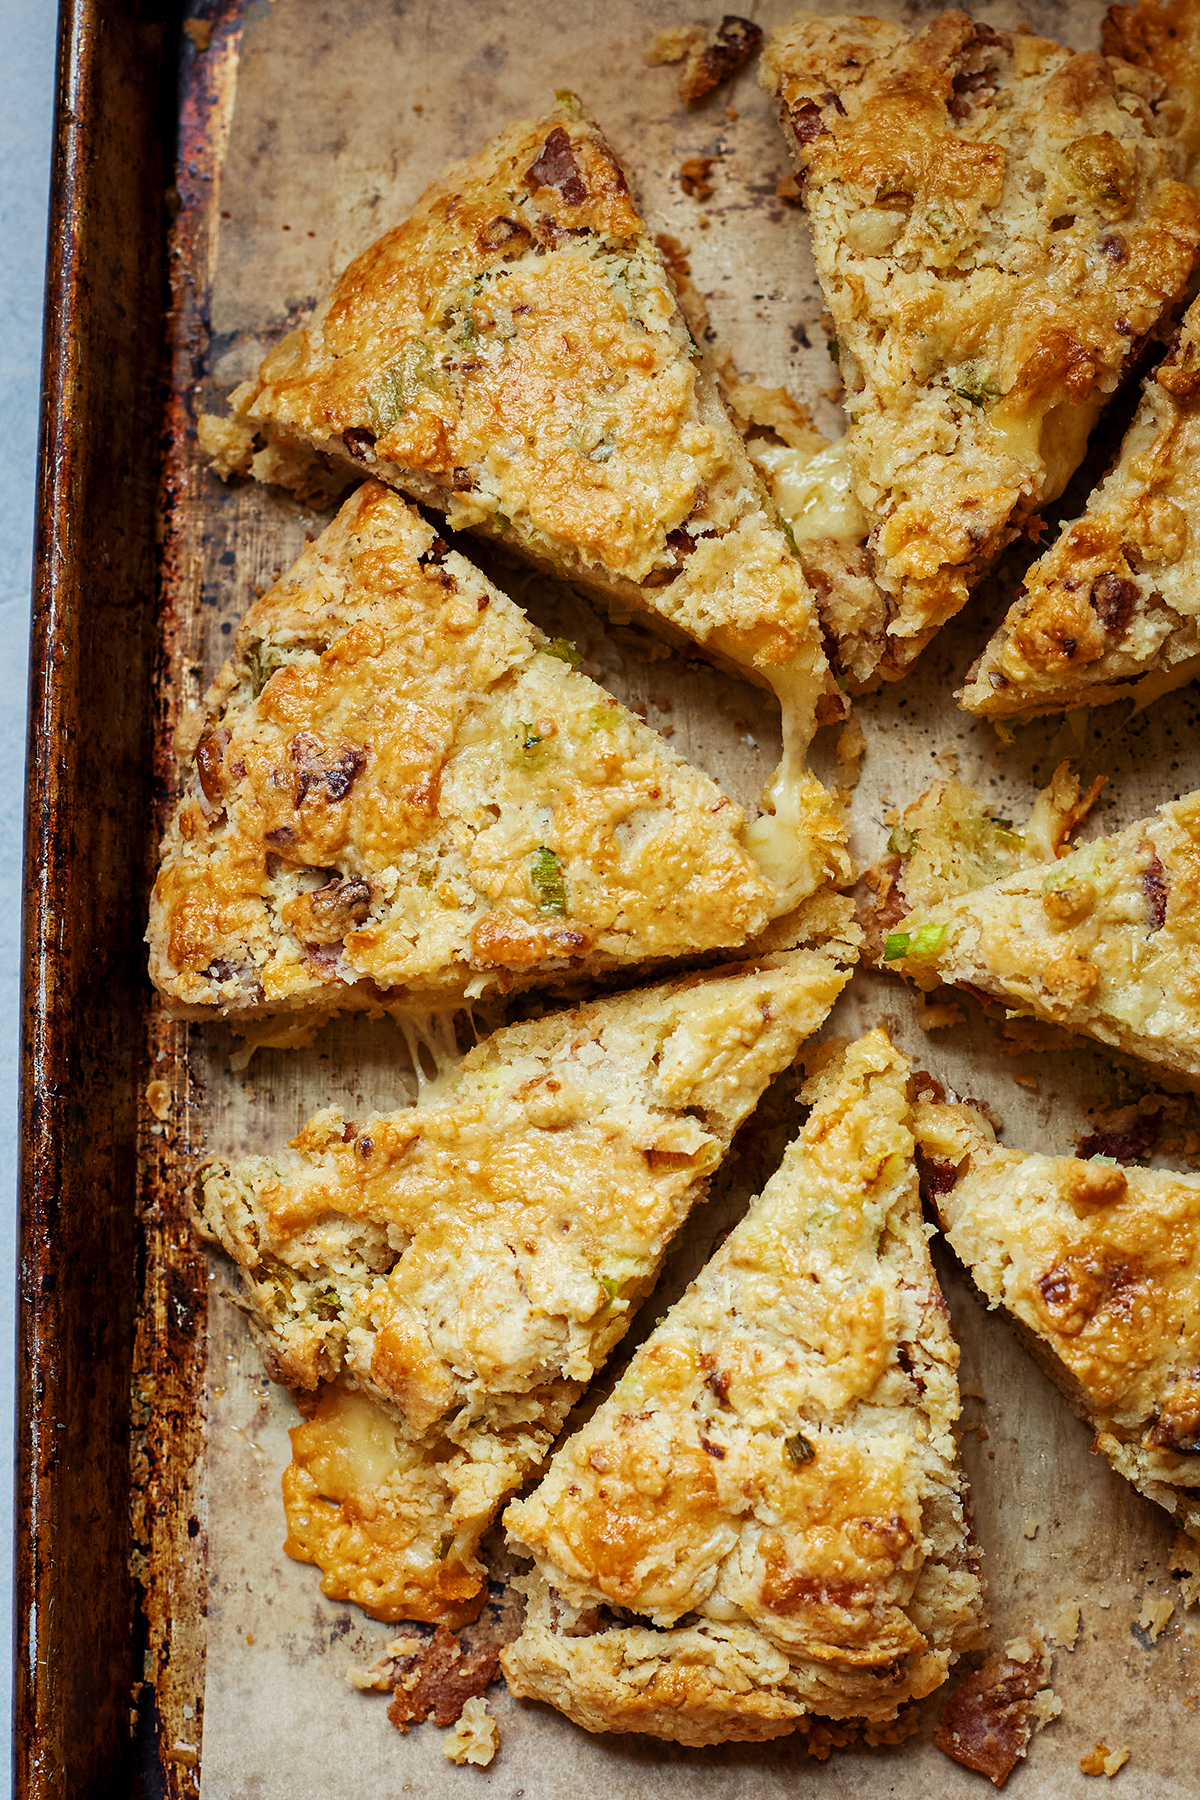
{"x":315,"y":124}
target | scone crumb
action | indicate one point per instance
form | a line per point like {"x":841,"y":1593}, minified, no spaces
{"x":673,"y":44}
{"x":1030,"y":1528}
{"x":227,"y":443}
{"x":1154,"y":1616}
{"x":158,"y":1099}
{"x":381,"y":1677}
{"x":1103,"y":1761}
{"x":694,"y":172}
{"x":935,"y":1015}
{"x":1185,"y":1564}
{"x":906,"y":1723}
{"x":1065,"y":1630}
{"x":474,"y":1737}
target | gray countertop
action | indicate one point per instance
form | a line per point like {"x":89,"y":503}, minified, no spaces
{"x":28,"y":32}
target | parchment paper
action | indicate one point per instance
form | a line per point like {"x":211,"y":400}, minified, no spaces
{"x":343,"y":112}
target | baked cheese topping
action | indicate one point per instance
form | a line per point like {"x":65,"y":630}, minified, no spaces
{"x":403,"y":792}
{"x":469,"y":1263}
{"x":1101,"y":939}
{"x":514,"y":354}
{"x":773,"y":1483}
{"x":996,"y":220}
{"x":1102,"y":1264}
{"x":1112,"y":610}
{"x":1164,"y":37}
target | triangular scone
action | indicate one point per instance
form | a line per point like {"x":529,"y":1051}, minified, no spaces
{"x":404,"y":795}
{"x":1100,"y":1268}
{"x":1102,"y":940}
{"x":997,"y":222}
{"x":766,"y":1520}
{"x":471,"y":1262}
{"x":1164,"y":37}
{"x":1112,"y":610}
{"x":514,"y":354}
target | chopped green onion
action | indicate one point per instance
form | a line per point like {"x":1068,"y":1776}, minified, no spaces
{"x":975,"y":384}
{"x":928,"y":940}
{"x":545,"y":873}
{"x":896,"y":944}
{"x":610,"y":1284}
{"x":564,"y":651}
{"x":902,"y":842}
{"x":527,"y":747}
{"x":445,"y":1545}
{"x":799,"y":1448}
{"x":501,"y":521}
{"x":606,"y":718}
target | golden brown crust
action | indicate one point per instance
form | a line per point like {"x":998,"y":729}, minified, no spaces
{"x":996,"y":222}
{"x":467,"y":1264}
{"x":770,"y":1498}
{"x":514,"y":354}
{"x":1100,"y":1266}
{"x":1112,"y":610}
{"x":403,"y":794}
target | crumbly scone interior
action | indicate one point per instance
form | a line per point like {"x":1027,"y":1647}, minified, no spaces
{"x":404,"y":793}
{"x":515,"y":355}
{"x":1101,"y":1267}
{"x":470,"y":1262}
{"x":765,"y":1521}
{"x":996,"y":221}
{"x":1112,"y":610}
{"x":1101,"y":940}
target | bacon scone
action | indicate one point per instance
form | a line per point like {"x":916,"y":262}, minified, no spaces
{"x":997,"y":223}
{"x":1099,"y":1266}
{"x":405,"y":795}
{"x":467,"y":1264}
{"x":765,"y":1523}
{"x":1100,"y":939}
{"x":1112,"y":610}
{"x":514,"y":354}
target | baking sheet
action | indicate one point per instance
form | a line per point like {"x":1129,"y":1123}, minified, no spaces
{"x":313,"y":127}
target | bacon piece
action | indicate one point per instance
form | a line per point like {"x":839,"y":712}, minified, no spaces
{"x":555,"y":166}
{"x":441,"y":1680}
{"x":987,"y":1722}
{"x":1136,"y":1142}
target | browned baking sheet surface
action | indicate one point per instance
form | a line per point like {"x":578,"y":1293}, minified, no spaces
{"x":310,"y":127}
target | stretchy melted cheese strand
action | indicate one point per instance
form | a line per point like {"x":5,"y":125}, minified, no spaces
{"x":765,"y":1522}
{"x":996,"y":221}
{"x":467,"y":1264}
{"x":514,"y":354}
{"x":405,"y":796}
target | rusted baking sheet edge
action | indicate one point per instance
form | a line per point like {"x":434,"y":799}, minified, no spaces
{"x":85,"y":1256}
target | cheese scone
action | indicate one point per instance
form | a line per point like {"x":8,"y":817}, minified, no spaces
{"x":470,"y":1262}
{"x":1163,"y":36}
{"x":997,"y":222}
{"x":766,"y":1521}
{"x":404,"y":794}
{"x":1099,"y":1266}
{"x":514,"y":355}
{"x":1101,"y":940}
{"x":1112,"y":610}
